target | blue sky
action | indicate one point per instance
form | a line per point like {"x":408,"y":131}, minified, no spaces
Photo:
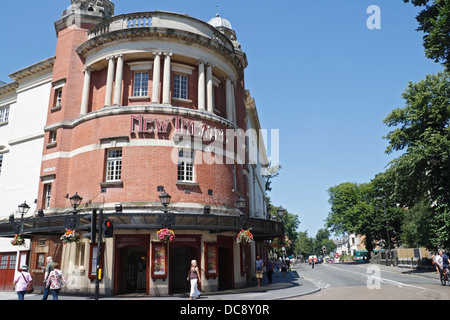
{"x":317,"y":73}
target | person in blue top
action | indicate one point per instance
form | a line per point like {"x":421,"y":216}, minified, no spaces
{"x":259,"y":266}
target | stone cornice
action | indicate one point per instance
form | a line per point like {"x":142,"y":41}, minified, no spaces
{"x":33,"y":69}
{"x":8,"y":88}
{"x":150,"y":109}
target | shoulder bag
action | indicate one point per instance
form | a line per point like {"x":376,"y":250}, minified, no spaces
{"x":30,"y":288}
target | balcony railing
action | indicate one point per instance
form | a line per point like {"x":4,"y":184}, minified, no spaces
{"x":161,"y":20}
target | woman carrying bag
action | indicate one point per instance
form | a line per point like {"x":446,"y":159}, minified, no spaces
{"x":23,"y":282}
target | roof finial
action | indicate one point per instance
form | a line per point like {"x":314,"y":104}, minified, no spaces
{"x":217,"y":15}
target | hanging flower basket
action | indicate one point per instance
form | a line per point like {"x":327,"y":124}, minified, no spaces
{"x":244,"y":237}
{"x":70,"y":236}
{"x":166,"y":235}
{"x":18,"y":240}
{"x":280,"y":242}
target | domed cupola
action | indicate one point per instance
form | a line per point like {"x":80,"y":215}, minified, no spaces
{"x":224,"y":26}
{"x":219,"y":22}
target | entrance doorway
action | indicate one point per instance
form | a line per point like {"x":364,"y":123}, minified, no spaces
{"x":132,"y":264}
{"x":180,"y":261}
{"x":182,"y":251}
{"x":225,"y":268}
{"x":135,"y":270}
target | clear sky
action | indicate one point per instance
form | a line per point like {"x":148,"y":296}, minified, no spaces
{"x":316,"y":71}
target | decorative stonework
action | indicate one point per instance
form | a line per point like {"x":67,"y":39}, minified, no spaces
{"x":105,"y":7}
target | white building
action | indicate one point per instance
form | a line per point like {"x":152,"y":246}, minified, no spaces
{"x":23,"y":113}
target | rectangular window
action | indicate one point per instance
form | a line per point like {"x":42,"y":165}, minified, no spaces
{"x":185,"y":165}
{"x":140,"y":84}
{"x":58,"y":97}
{"x":180,"y":87}
{"x":1,"y":163}
{"x":4,"y":114}
{"x":114,"y":165}
{"x":48,"y":193}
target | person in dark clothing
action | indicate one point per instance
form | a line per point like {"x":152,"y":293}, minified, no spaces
{"x":269,"y":270}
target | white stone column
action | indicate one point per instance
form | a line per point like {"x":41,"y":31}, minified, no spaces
{"x":166,"y":79}
{"x":109,"y":82}
{"x":86,"y":88}
{"x":209,"y":89}
{"x":156,"y":77}
{"x":119,"y":78}
{"x":201,"y":85}
{"x":228,"y":99}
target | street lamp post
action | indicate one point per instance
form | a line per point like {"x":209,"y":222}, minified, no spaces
{"x":23,"y":210}
{"x":166,"y":219}
{"x":75,"y":201}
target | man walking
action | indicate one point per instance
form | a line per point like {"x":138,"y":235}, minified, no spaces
{"x":48,"y":269}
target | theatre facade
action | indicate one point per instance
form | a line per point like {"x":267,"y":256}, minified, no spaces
{"x":148,"y":123}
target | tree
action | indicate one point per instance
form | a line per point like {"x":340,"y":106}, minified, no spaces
{"x":422,"y":132}
{"x":272,"y":171}
{"x":434,"y":21}
{"x":363,"y":209}
{"x":290,"y":220}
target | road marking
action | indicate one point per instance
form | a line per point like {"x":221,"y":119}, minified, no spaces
{"x":380,"y":278}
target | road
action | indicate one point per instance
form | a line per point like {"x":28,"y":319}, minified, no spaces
{"x":371,"y":282}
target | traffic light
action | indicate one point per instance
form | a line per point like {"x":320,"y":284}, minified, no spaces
{"x":324,"y":249}
{"x":109,"y":229}
{"x":93,"y":218}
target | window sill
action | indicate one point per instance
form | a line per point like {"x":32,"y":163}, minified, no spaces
{"x":57,"y":108}
{"x":187,"y":183}
{"x":182,"y":100}
{"x":111,"y":184}
{"x":4,"y":123}
{"x":51,"y":145}
{"x":135,"y":98}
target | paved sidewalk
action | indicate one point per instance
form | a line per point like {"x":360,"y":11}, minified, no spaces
{"x":282,"y":287}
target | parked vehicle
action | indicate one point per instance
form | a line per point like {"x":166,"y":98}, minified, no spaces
{"x":311,"y":258}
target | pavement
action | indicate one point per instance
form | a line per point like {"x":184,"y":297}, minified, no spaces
{"x":282,"y":287}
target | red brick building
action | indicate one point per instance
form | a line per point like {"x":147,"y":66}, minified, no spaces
{"x":141,"y":104}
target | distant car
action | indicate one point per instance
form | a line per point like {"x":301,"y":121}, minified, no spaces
{"x":311,"y":258}
{"x":330,"y":260}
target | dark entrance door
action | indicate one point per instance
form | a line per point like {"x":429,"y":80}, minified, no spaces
{"x":181,"y":252}
{"x":225,"y":262}
{"x":180,"y":260}
{"x":131,"y":272}
{"x":225,"y":268}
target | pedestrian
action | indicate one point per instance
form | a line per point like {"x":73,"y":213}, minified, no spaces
{"x":435,"y":261}
{"x":276,"y":267}
{"x":48,"y":269}
{"x":21,"y":281}
{"x":55,"y":281}
{"x":283,"y":267}
{"x":269,"y":270}
{"x":195,"y":279}
{"x":259,"y":266}
{"x":312,"y":262}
